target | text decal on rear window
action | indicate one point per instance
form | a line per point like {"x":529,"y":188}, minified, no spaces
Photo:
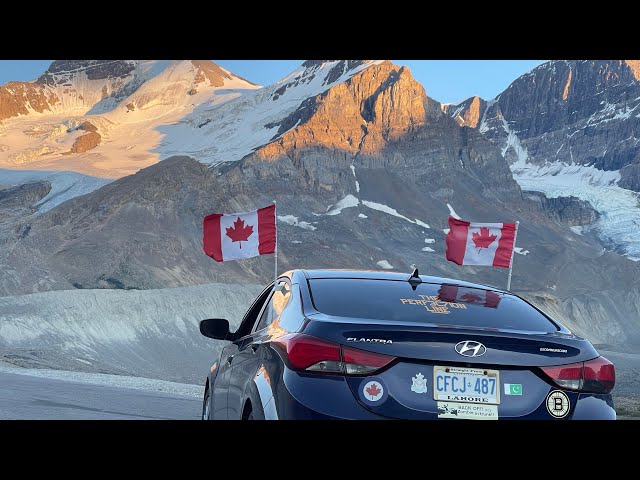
{"x":433,"y":304}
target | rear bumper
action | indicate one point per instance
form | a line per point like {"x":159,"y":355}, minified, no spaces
{"x":318,"y":397}
{"x":594,"y":407}
{"x":326,"y":397}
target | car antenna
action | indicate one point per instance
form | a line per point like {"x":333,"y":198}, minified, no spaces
{"x":414,"y":279}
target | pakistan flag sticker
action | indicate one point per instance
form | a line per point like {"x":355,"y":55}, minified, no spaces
{"x":513,"y":389}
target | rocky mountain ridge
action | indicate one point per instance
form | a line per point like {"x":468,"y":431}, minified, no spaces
{"x":571,"y":128}
{"x":577,"y":112}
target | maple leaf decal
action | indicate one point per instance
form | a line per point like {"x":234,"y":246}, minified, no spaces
{"x":471,"y":298}
{"x":483,"y":239}
{"x":239,"y":232}
{"x":493,"y":299}
{"x":373,"y":390}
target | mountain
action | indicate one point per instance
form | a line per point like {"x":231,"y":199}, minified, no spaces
{"x":227,"y":132}
{"x":570,"y":128}
{"x":366,"y":168}
{"x":101,"y":118}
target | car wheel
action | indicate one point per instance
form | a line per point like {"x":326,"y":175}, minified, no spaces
{"x":206,"y":405}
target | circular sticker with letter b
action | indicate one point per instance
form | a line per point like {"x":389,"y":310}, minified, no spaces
{"x":558,"y":404}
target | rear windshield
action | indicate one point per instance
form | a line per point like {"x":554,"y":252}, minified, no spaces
{"x":428,"y":304}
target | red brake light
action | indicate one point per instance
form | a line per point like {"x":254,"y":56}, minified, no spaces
{"x":566,"y":376}
{"x":599,"y":375}
{"x":595,"y":376}
{"x":359,"y":362}
{"x":304,"y":352}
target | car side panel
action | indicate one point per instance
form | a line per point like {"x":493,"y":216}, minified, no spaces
{"x":264,"y":393}
{"x":221,"y":384}
{"x":243,"y":368}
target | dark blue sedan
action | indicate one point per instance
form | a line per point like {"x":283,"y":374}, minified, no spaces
{"x":339,"y":344}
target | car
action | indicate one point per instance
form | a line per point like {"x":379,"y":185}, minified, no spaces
{"x":343,"y":344}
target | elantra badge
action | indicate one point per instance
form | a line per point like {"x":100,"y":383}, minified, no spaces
{"x":369,"y":340}
{"x":470,"y":348}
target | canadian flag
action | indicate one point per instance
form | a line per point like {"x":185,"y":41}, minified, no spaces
{"x":455,"y":294}
{"x":236,"y":236}
{"x":470,"y":243}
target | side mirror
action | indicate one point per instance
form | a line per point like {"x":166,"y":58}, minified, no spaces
{"x":217,"y":328}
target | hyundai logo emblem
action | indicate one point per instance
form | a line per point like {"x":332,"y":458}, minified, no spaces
{"x":469,"y":348}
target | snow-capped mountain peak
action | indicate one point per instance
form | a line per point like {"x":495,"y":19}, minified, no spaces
{"x":231,"y":128}
{"x":119,"y":104}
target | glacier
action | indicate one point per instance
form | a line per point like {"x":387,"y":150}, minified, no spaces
{"x":64,"y":185}
{"x":619,"y":223}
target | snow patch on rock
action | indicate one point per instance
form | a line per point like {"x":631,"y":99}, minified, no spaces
{"x":392,"y":211}
{"x":453,"y":213}
{"x":513,"y":142}
{"x":347,"y":202}
{"x":384,"y":264}
{"x":293,"y":220}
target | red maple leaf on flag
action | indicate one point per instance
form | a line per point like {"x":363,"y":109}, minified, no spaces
{"x":373,"y":390}
{"x":239,"y":232}
{"x":483,"y":239}
{"x":471,"y":298}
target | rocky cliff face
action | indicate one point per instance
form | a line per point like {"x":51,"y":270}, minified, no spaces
{"x":66,"y":71}
{"x":18,"y":98}
{"x":569,"y":128}
{"x":88,"y":141}
{"x":580,"y":111}
{"x":359,"y":116}
{"x":570,"y":210}
{"x":19,"y":202}
{"x":468,"y":113}
{"x":65,"y":86}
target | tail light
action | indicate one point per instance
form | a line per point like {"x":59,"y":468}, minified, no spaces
{"x":594,"y":376}
{"x":304,"y":352}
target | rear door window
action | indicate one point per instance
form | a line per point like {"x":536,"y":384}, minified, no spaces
{"x":274,"y":308}
{"x":428,"y":303}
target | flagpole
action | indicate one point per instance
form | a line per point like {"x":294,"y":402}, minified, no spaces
{"x":275,"y":274}
{"x":513,"y":251}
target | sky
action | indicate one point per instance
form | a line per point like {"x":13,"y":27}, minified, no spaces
{"x":448,"y":81}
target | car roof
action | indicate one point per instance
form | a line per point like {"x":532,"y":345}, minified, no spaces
{"x":381,"y":275}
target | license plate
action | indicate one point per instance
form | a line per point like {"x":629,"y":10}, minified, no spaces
{"x":473,"y":385}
